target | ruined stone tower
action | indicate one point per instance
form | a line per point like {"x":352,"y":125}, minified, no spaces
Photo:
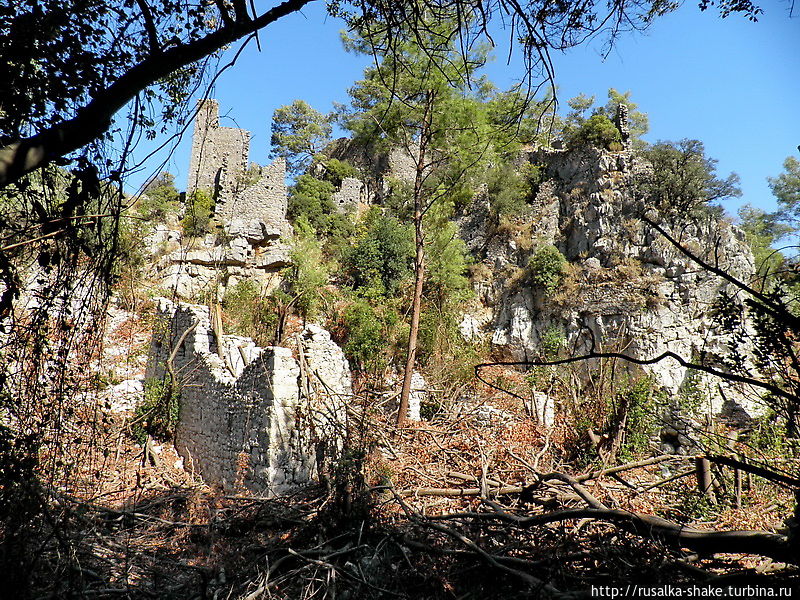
{"x":219,"y":154}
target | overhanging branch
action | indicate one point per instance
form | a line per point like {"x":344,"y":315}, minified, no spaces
{"x":26,"y":155}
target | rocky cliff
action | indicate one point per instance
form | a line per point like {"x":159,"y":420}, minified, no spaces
{"x":625,"y":287}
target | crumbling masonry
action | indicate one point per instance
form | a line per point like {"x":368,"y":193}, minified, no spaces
{"x":249,"y":416}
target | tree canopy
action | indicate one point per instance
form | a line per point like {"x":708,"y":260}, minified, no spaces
{"x":299,"y":133}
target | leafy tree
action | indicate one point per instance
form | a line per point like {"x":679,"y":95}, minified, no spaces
{"x":425,"y":97}
{"x":309,"y":273}
{"x":299,"y":133}
{"x":336,"y":170}
{"x":786,"y":188}
{"x":599,"y":127}
{"x":446,"y":281}
{"x":381,"y":257}
{"x":199,"y":213}
{"x":310,"y":198}
{"x":763,"y":230}
{"x":683,"y":178}
{"x":159,"y":198}
{"x":509,"y":190}
{"x":597,"y":130}
{"x":638,"y":122}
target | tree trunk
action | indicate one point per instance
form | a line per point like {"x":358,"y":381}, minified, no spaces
{"x":419,"y":260}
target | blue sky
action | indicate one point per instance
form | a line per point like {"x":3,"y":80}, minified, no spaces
{"x":733,"y":84}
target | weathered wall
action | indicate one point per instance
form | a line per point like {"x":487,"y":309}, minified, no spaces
{"x":212,"y":146}
{"x":350,"y":196}
{"x":244,"y":420}
{"x":264,"y":201}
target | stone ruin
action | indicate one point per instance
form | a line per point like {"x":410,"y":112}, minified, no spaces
{"x":260,"y":418}
{"x":249,"y":205}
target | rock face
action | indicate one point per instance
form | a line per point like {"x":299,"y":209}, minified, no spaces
{"x":248,"y":415}
{"x":627,"y":289}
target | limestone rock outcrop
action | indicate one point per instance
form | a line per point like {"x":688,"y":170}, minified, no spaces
{"x":627,"y":288}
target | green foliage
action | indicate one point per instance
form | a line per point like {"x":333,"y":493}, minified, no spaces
{"x":769,"y":434}
{"x":309,"y":274}
{"x":551,"y":342}
{"x":691,"y":395}
{"x":299,"y":133}
{"x":337,"y":170}
{"x":510,"y":191}
{"x":786,"y":188}
{"x":381,"y":257}
{"x":368,"y":333}
{"x":310,"y":203}
{"x":446,"y":280}
{"x":158,"y":413}
{"x":642,"y":420}
{"x":638,"y":122}
{"x":159,"y":198}
{"x":597,"y":130}
{"x":199,"y":213}
{"x":310,"y":198}
{"x":546,"y":268}
{"x":249,"y":313}
{"x":763,"y":230}
{"x":683,"y":179}
{"x":516,"y":119}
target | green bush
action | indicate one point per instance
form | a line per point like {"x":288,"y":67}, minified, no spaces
{"x":546,"y":268}
{"x":642,"y":421}
{"x":249,"y":313}
{"x":159,"y":198}
{"x":382,"y":256}
{"x":199,"y":213}
{"x":597,"y":130}
{"x":308,"y":276}
{"x":551,"y":342}
{"x":367,"y":342}
{"x":158,"y":413}
{"x":310,"y":197}
{"x":336,"y":170}
{"x":509,"y":191}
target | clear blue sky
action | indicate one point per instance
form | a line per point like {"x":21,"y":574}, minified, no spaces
{"x":733,"y":84}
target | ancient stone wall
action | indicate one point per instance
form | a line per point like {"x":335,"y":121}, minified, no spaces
{"x":214,"y":147}
{"x":350,"y":195}
{"x":264,"y":201}
{"x":244,"y":420}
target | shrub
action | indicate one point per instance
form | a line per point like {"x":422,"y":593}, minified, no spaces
{"x":311,"y":198}
{"x":551,"y":341}
{"x":641,"y":403}
{"x":159,"y":198}
{"x":337,"y":170}
{"x":597,"y":130}
{"x":309,"y":273}
{"x":158,"y":413}
{"x":366,"y":336}
{"x":249,"y":313}
{"x":199,"y":212}
{"x":509,"y":191}
{"x":382,"y":256}
{"x":546,"y":268}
